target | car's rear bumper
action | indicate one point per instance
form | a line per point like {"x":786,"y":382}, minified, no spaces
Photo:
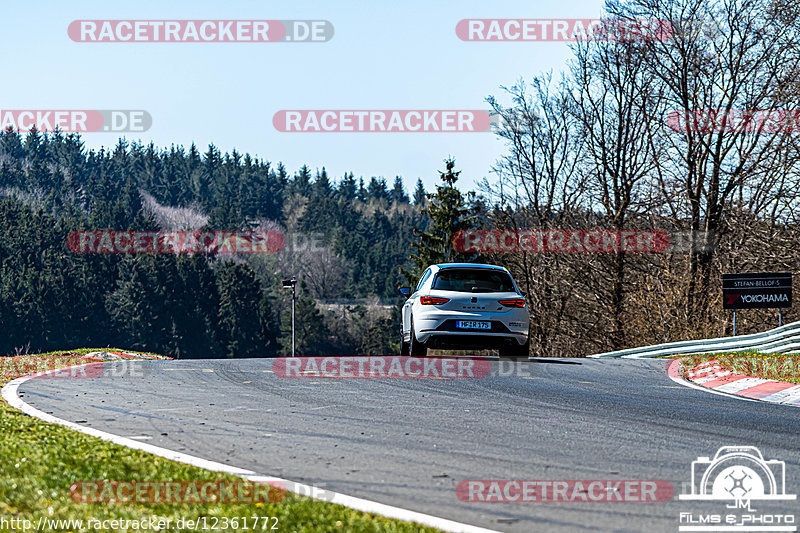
{"x":468,"y":339}
{"x":512,"y":325}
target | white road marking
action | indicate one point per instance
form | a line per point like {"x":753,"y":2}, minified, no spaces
{"x":740,"y":384}
{"x":786,"y":395}
{"x":11,"y":396}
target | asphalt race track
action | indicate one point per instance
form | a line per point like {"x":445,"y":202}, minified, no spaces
{"x":408,"y":442}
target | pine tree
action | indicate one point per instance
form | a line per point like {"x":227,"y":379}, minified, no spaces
{"x":398,"y":193}
{"x":270,"y":324}
{"x":449,"y":213}
{"x":377,"y":190}
{"x":239,"y":302}
{"x":322,"y":185}
{"x":136,"y":306}
{"x":347,"y":188}
{"x":199,"y":298}
{"x":361,"y":194}
{"x":301,"y":183}
{"x":381,"y":337}
{"x":420,"y":194}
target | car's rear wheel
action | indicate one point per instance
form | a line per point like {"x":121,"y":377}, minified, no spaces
{"x":516,"y":351}
{"x":416,"y":348}
{"x":403,"y":344}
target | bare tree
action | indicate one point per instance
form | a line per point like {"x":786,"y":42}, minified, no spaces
{"x":173,"y":218}
{"x":324,"y":272}
{"x":614,"y":101}
{"x":538,"y":186}
{"x":724,"y":56}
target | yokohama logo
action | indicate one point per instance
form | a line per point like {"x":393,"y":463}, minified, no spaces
{"x":758,"y":298}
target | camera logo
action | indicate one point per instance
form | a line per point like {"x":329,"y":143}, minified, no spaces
{"x":738,"y":473}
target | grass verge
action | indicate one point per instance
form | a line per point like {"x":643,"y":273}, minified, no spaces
{"x":40,"y":461}
{"x":782,"y":367}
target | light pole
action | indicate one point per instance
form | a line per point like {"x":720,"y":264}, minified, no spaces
{"x":287,"y":283}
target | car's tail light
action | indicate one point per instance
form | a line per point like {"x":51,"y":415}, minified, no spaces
{"x":433,"y":300}
{"x":516,"y":302}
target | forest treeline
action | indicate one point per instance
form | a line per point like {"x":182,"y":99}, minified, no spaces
{"x":344,"y":240}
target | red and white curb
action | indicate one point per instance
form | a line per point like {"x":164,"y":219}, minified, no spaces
{"x":713,"y":377}
{"x":10,"y":394}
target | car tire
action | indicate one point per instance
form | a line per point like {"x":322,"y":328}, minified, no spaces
{"x":403,"y":346}
{"x":516,"y":352}
{"x":416,"y":348}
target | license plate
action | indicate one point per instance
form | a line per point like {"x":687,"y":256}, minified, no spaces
{"x":473,"y":324}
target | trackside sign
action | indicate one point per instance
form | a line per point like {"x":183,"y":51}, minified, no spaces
{"x":757,"y":291}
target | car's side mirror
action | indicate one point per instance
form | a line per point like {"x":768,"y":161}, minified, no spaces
{"x":405,"y":291}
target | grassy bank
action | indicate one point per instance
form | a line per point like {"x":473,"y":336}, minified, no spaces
{"x":40,"y":461}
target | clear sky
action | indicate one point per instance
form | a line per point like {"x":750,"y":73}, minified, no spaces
{"x":384,"y":55}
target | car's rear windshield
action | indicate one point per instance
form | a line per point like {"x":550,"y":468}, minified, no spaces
{"x":473,"y":280}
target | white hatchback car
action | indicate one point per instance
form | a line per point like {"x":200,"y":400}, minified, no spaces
{"x":465,"y":305}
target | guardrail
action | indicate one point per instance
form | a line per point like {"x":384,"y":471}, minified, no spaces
{"x":779,"y":340}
